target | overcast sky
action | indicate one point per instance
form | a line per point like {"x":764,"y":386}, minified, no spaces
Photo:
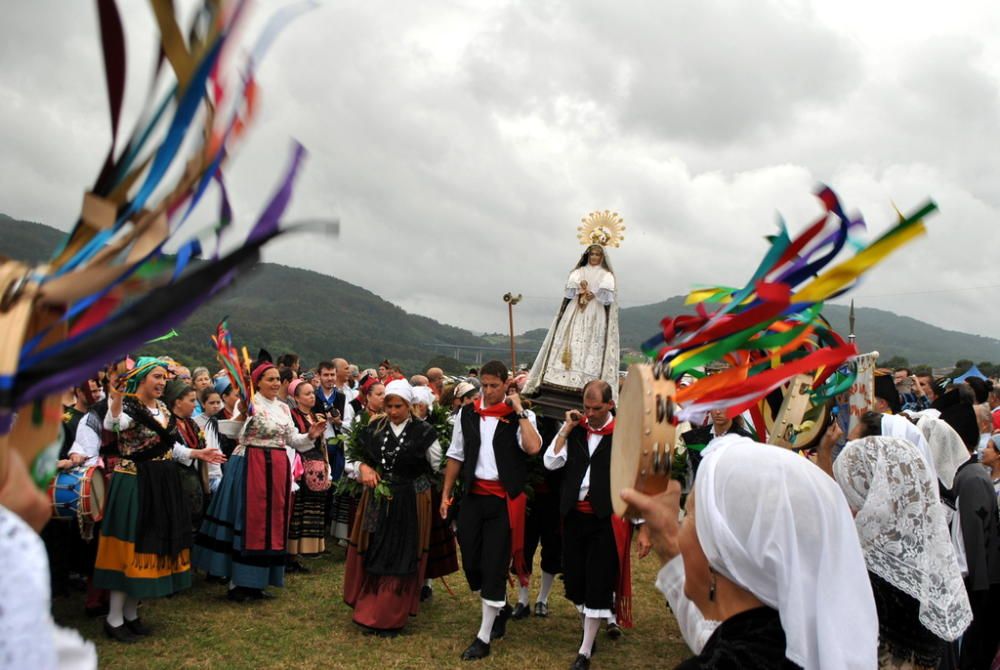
{"x":460,"y":143}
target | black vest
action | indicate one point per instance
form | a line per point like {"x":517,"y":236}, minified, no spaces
{"x":578,"y":458}
{"x":512,"y":462}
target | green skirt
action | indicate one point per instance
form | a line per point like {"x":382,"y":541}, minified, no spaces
{"x":119,"y":567}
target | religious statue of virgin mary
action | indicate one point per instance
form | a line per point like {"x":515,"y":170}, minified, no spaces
{"x":582,"y":343}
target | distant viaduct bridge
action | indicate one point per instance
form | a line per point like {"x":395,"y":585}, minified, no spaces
{"x":467,"y":353}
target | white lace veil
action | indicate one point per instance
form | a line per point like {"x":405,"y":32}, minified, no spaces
{"x":778,"y":526}
{"x":902,"y":528}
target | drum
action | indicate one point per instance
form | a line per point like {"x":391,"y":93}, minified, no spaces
{"x":791,"y":420}
{"x":78,"y":492}
{"x":642,"y":449}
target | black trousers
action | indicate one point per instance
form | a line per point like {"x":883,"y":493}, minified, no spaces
{"x":590,"y":560}
{"x":543,"y":526}
{"x":484,"y":538}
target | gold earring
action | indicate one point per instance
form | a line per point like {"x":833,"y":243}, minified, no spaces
{"x":711,"y":586}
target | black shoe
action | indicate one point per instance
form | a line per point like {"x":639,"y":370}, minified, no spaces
{"x":295,"y":566}
{"x":500,"y":624}
{"x":521,"y":611}
{"x":215,"y":579}
{"x":119,"y":633}
{"x":260,"y":594}
{"x":426,"y":593}
{"x":477,"y":650}
{"x":387,"y":633}
{"x":581,"y":663}
{"x":137,"y":627}
{"x":239,"y":594}
{"x":541,"y":609}
{"x":100,"y":610}
{"x":614,"y":631}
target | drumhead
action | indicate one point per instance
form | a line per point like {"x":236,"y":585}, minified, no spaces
{"x":98,"y":494}
{"x":815,"y":421}
{"x":626,"y":444}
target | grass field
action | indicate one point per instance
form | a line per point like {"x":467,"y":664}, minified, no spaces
{"x":308,"y":626}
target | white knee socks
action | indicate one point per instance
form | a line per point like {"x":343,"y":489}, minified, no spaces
{"x":547,"y":580}
{"x":486,"y":627}
{"x":523,"y":595}
{"x":116,"y":606}
{"x":131,"y":609}
{"x":590,"y":627}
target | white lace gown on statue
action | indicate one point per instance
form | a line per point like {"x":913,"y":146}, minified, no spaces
{"x":582,"y":344}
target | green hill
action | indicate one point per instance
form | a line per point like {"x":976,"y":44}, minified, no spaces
{"x":319,"y":316}
{"x":287,"y":309}
{"x":876,"y":329}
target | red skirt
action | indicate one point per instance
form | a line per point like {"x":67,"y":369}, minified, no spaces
{"x":384,"y":602}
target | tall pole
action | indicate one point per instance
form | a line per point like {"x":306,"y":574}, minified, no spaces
{"x":512,"y":300}
{"x":850,"y":318}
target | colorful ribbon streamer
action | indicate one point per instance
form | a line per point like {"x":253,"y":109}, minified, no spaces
{"x":772,"y":328}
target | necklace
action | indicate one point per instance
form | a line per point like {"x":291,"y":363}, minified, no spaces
{"x":390,"y":455}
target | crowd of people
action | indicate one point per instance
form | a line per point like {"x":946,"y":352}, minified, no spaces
{"x":893,"y":527}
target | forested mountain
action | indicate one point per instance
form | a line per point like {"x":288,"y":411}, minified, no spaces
{"x":319,"y":316}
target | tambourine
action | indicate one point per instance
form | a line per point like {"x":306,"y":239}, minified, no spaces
{"x":790,"y":418}
{"x":642,"y":449}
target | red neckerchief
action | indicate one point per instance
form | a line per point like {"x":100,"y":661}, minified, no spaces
{"x":607,"y":430}
{"x":499,"y":410}
{"x":189,"y":432}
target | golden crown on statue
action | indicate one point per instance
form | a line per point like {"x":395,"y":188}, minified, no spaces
{"x":604,"y":228}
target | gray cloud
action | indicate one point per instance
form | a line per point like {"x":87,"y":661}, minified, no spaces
{"x":460,"y":143}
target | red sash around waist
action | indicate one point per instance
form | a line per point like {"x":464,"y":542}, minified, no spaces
{"x":516,"y":510}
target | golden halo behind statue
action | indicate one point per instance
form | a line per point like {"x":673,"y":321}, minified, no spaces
{"x":606,"y":229}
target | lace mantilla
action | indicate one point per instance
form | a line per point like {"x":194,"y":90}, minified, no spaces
{"x":902,"y":528}
{"x":29,"y":637}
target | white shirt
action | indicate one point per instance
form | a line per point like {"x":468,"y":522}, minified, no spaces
{"x":86,"y":443}
{"x":695,"y":628}
{"x":554,"y":461}
{"x":486,"y":465}
{"x":181,"y":453}
{"x":347,"y":416}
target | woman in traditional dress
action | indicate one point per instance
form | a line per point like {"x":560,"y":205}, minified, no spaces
{"x":766,"y":570}
{"x":921,"y":599}
{"x":145,"y":542}
{"x":442,"y":554}
{"x":181,"y":400}
{"x":307,"y":528}
{"x":582,"y":343}
{"x":246,"y":527}
{"x":387,"y":554}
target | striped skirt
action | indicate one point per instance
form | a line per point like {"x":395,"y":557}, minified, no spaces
{"x":246,"y":543}
{"x":307,"y":528}
{"x":119,"y":567}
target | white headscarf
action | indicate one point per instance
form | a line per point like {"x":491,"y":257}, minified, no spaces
{"x":946,"y":447}
{"x":401,"y":389}
{"x":423,"y":395}
{"x":778,"y":526}
{"x":894,"y":425}
{"x":902,"y":528}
